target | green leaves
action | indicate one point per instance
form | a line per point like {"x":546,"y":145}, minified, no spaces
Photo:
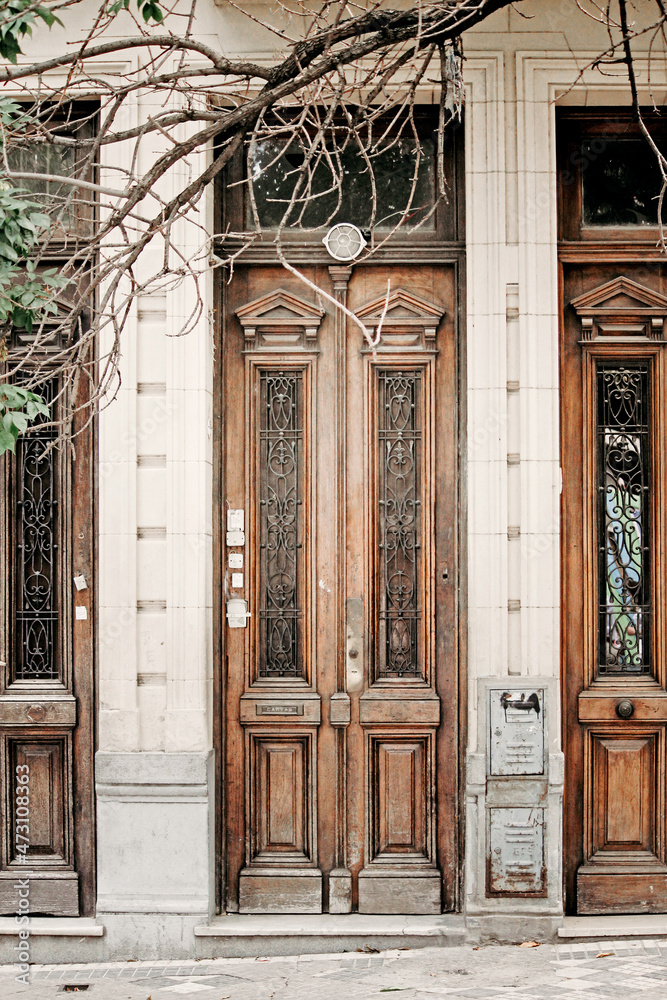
{"x":150,"y":9}
{"x":17,"y":18}
{"x":26,"y":295}
{"x":21,"y":222}
{"x":18,"y":408}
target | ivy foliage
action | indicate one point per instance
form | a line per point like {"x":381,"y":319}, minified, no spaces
{"x":18,"y":408}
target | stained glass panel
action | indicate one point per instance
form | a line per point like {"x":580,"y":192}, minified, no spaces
{"x":623,"y":520}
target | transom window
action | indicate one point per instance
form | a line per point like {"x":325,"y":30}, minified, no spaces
{"x":369,"y":186}
{"x":621,"y":183}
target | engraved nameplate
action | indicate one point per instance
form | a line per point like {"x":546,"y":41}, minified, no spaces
{"x":279,"y":709}
{"x":516,"y":739}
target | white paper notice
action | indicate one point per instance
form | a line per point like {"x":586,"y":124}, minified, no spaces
{"x":81,"y":614}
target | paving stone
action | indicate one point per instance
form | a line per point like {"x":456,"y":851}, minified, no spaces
{"x":573,"y":971}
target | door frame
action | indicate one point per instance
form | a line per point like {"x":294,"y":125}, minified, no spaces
{"x":623,"y":250}
{"x":436,"y":251}
{"x":63,"y":712}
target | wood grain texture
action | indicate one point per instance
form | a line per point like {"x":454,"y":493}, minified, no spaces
{"x":50,"y":725}
{"x":624,"y":769}
{"x":402,"y":801}
{"x":613,"y":311}
{"x":281,"y":798}
{"x":306,"y":794}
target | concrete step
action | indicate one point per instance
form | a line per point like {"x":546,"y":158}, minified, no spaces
{"x":615,"y":927}
{"x":239,"y":935}
{"x":57,"y":927}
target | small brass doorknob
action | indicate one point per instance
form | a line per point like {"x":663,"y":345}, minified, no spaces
{"x":625,"y":709}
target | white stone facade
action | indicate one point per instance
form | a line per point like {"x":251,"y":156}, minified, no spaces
{"x":156,"y":852}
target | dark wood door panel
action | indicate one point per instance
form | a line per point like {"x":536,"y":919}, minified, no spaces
{"x":47,"y":536}
{"x":631,"y":892}
{"x":344,"y":460}
{"x":400,"y":778}
{"x":597,"y":706}
{"x":624,"y":770}
{"x":281,"y":806}
{"x":614,"y":577}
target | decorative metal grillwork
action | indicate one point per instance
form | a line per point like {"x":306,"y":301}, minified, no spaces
{"x":281,"y":500}
{"x":35,"y":604}
{"x":623,"y":518}
{"x":399,"y":522}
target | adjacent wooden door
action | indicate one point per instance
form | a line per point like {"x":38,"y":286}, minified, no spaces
{"x":340,"y":695}
{"x":47,"y":725}
{"x":614,"y":455}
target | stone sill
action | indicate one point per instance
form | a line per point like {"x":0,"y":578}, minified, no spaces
{"x":642,"y":925}
{"x":332,"y":925}
{"x":80,"y":927}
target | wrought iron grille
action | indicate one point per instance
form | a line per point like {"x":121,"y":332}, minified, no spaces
{"x":36,"y":520}
{"x":280,"y":515}
{"x":624,"y":502}
{"x":399,"y":521}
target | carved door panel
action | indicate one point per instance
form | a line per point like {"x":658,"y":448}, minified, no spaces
{"x":46,"y":680}
{"x":341,"y":692}
{"x":614,"y":574}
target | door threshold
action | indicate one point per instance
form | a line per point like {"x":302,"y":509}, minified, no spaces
{"x":236,"y":935}
{"x":78,"y":927}
{"x":642,"y":925}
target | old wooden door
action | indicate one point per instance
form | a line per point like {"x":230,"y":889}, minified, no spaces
{"x":46,"y":680}
{"x":47,"y":577}
{"x":614,"y":460}
{"x":341,"y":692}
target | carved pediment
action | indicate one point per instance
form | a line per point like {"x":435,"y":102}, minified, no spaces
{"x":621,"y":308}
{"x":280,"y":321}
{"x":407,"y":321}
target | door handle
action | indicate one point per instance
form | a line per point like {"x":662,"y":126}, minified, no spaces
{"x":625,"y":709}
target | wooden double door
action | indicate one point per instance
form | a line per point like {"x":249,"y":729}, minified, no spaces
{"x":341,"y":533}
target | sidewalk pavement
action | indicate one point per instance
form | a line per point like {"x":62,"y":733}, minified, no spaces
{"x":609,"y":970}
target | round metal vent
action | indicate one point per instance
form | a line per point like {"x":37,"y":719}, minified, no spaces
{"x":344,"y":241}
